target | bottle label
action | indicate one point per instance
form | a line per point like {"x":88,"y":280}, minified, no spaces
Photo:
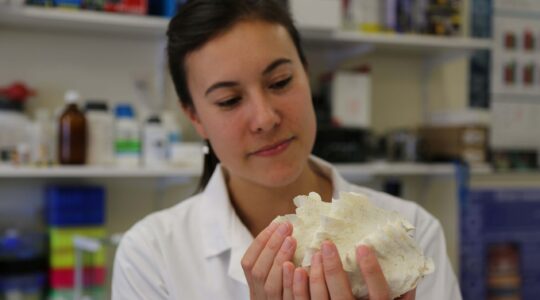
{"x":128,"y":146}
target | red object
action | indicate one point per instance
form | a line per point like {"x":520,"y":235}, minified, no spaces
{"x":509,"y":74}
{"x":528,"y":40}
{"x":509,"y":40}
{"x":17,"y":91}
{"x":65,"y":277}
{"x":138,"y":7}
{"x":528,"y":74}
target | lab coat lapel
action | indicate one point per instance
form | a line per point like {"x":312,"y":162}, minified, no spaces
{"x":215,"y":216}
{"x":222,"y":229}
{"x":240,"y":238}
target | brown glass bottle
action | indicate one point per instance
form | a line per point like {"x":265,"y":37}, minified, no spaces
{"x":72,"y":133}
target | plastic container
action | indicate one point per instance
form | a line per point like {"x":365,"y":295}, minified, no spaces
{"x":42,"y":145}
{"x":155,"y":143}
{"x":127,"y":141}
{"x":23,"y":265}
{"x":13,"y":129}
{"x":173,"y":131}
{"x":75,"y":205}
{"x":100,"y":135}
{"x":72,"y":132}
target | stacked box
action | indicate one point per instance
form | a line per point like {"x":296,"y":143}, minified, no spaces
{"x":467,"y":143}
{"x":500,"y":244}
{"x":75,"y":211}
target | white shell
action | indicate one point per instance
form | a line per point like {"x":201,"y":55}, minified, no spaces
{"x":351,"y":221}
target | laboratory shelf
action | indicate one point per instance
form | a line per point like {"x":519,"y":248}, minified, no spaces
{"x":38,"y":18}
{"x":96,"y":172}
{"x":149,"y":26}
{"x":399,"y":43}
{"x":347,"y":170}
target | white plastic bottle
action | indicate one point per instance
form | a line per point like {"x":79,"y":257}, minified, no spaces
{"x":174,"y":132}
{"x":155,"y":143}
{"x":100,"y":135}
{"x":127,"y":141}
{"x":42,"y":144}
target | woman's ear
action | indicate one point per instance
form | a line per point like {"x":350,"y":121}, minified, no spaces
{"x":191,"y":113}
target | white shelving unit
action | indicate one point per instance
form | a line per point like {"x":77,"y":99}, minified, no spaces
{"x":96,"y":172}
{"x":352,"y":43}
{"x":393,"y":42}
{"x":37,"y":18}
{"x":149,"y":26}
{"x":348,"y":170}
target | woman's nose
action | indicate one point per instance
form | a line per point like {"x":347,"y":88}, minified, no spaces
{"x":265,"y":117}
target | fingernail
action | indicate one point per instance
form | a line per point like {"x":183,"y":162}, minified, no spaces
{"x":272,"y":227}
{"x":287,"y":244}
{"x":316,"y":259}
{"x":363,"y":252}
{"x":327,"y":249}
{"x":298,"y":278}
{"x":283,"y":229}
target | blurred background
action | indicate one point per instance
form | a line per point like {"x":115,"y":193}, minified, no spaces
{"x":435,"y":101}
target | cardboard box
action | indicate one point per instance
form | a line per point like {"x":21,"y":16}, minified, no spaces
{"x":467,"y":143}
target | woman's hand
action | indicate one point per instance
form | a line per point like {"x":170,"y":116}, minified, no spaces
{"x":328,"y":280}
{"x":263,"y":261}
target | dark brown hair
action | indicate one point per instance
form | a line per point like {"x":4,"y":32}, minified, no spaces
{"x":198,"y":22}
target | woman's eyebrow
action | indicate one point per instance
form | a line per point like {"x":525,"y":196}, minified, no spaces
{"x":221,"y":84}
{"x":226,"y":84}
{"x":276,"y":63}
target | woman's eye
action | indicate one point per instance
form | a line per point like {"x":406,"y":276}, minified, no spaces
{"x":281,"y":83}
{"x":229,"y":103}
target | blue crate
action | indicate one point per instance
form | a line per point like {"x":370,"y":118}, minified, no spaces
{"x":491,"y":216}
{"x":75,"y":205}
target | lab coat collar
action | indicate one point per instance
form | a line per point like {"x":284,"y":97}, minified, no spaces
{"x":222,"y":229}
{"x":215,"y":215}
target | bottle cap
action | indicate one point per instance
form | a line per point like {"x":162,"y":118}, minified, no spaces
{"x":124,"y":111}
{"x":72,"y":97}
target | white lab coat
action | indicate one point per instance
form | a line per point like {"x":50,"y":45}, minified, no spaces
{"x":193,"y":250}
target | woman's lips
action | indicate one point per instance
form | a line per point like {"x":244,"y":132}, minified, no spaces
{"x":274,"y":149}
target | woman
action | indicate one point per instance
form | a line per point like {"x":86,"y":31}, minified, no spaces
{"x":240,"y":73}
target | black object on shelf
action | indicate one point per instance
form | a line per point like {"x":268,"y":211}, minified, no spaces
{"x":10,"y":105}
{"x":340,"y":144}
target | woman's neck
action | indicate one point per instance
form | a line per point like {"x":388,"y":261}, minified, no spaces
{"x":257,"y":205}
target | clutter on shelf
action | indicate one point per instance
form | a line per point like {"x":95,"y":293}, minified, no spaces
{"x":89,"y":133}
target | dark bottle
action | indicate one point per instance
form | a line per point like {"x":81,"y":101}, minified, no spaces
{"x":72,"y":133}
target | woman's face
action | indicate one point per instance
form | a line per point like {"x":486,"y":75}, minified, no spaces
{"x":253,"y":103}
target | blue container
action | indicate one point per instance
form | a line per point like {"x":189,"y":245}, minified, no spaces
{"x":75,"y":206}
{"x":23,"y":265}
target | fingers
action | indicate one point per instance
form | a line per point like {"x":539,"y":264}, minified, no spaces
{"x":255,"y":249}
{"x":317,"y":284}
{"x":372,"y":273}
{"x":274,"y":281}
{"x":337,"y":280}
{"x":288,"y":277}
{"x":260,"y":255}
{"x":300,"y":284}
{"x":264,"y":262}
